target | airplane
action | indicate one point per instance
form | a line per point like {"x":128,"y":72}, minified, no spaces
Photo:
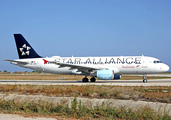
{"x":104,"y":68}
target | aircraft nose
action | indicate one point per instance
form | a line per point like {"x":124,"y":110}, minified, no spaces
{"x":165,"y":67}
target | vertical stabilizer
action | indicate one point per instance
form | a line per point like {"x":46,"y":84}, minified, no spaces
{"x":24,"y":48}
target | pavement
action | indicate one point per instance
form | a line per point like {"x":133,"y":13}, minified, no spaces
{"x":156,"y":82}
{"x":18,"y":117}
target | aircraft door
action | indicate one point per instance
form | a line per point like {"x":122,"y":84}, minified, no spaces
{"x":144,"y":62}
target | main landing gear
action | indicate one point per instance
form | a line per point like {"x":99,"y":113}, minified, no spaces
{"x":93,"y":79}
{"x":85,"y":79}
{"x":144,"y":79}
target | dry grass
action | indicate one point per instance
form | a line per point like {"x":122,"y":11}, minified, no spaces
{"x":40,"y":77}
{"x":80,"y":111}
{"x":161,"y":94}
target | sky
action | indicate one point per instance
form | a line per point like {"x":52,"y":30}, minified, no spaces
{"x":85,"y":28}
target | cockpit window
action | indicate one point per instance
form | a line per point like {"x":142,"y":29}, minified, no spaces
{"x":157,"y":62}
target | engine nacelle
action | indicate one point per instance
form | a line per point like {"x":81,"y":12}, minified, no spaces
{"x":117,"y":76}
{"x":107,"y":75}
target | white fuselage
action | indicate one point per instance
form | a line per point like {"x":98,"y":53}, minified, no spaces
{"x":120,"y":64}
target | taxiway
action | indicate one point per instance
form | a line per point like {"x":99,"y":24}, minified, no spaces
{"x":156,"y":82}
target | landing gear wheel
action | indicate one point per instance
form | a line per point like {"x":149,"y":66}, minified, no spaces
{"x":145,"y":80}
{"x":93,"y":79}
{"x":85,"y":79}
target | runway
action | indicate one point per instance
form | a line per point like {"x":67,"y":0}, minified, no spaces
{"x":156,"y":82}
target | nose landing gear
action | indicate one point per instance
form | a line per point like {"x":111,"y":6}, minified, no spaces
{"x":144,"y":79}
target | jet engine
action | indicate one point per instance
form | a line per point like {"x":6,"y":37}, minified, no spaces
{"x":106,"y":75}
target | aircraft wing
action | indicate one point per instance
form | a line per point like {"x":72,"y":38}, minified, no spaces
{"x":80,"y":68}
{"x":16,"y":62}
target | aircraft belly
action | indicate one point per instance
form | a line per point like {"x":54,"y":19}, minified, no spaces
{"x":56,"y":70}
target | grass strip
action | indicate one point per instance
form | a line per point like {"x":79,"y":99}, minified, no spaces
{"x":148,"y":93}
{"x":77,"y":110}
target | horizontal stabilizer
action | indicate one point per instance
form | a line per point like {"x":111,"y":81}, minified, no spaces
{"x":16,"y":62}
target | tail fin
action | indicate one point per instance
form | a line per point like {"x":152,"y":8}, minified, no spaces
{"x":24,"y":48}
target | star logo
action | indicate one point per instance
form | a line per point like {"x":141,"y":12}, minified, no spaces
{"x":25,"y":50}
